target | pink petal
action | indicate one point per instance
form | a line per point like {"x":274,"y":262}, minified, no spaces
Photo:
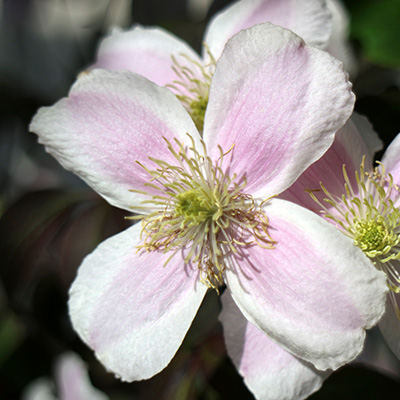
{"x":109,"y":121}
{"x":368,"y":134}
{"x":339,"y":45}
{"x":279,"y":102}
{"x":309,"y":19}
{"x":39,"y":389}
{"x":73,"y":380}
{"x":347,"y":149}
{"x":133,"y":311}
{"x":391,"y":159}
{"x":146,"y":51}
{"x":314,"y":294}
{"x":270,"y":372}
{"x":390,"y":326}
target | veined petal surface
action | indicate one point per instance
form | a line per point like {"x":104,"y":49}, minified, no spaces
{"x":110,"y":120}
{"x":347,"y":149}
{"x":310,"y":19}
{"x":279,"y":102}
{"x":146,"y":51}
{"x":133,"y":311}
{"x":317,"y":291}
{"x":269,"y":371}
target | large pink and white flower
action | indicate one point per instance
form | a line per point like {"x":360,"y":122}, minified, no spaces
{"x":209,"y":215}
{"x":363,"y":203}
{"x":168,"y":61}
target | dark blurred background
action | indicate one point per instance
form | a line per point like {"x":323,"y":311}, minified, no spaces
{"x":50,"y":219}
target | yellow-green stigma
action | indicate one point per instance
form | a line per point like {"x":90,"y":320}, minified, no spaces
{"x":199,"y":210}
{"x":374,"y":236}
{"x":192,"y":86}
{"x":195,"y":207}
{"x":368,"y":213}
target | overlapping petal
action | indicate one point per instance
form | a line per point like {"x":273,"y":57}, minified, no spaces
{"x":348,"y":149}
{"x":130,"y":309}
{"x":109,"y":121}
{"x":339,"y":45}
{"x":316,"y":301}
{"x":390,"y":327}
{"x":391,"y":159}
{"x":280,"y":102}
{"x":309,"y":19}
{"x":269,"y":371}
{"x":146,"y":51}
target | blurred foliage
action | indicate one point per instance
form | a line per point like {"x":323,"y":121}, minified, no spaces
{"x":375,"y":24}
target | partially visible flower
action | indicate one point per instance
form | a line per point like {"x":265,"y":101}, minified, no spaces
{"x":168,"y":61}
{"x":208,"y":208}
{"x":269,"y":371}
{"x":338,"y":44}
{"x":364,"y":204}
{"x":72,"y":383}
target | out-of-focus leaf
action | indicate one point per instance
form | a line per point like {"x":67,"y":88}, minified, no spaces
{"x":11,"y":335}
{"x":375,"y":24}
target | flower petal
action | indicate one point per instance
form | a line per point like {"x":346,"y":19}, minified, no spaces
{"x":347,"y":149}
{"x":130,"y":309}
{"x":390,"y":327}
{"x":39,"y":389}
{"x":109,"y":121}
{"x":314,"y":293}
{"x":280,"y":102}
{"x":146,"y":51}
{"x":368,"y":134}
{"x":391,"y":159}
{"x":270,"y":372}
{"x":339,"y":45}
{"x":309,"y":19}
{"x":73,"y":381}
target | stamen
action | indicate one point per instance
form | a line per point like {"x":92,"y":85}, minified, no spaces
{"x":201,"y":211}
{"x":192,"y":86}
{"x":368,"y":213}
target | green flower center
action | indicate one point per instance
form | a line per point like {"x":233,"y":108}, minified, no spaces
{"x":198,"y":111}
{"x":374,"y":237}
{"x":195,"y":206}
{"x":368,"y":213}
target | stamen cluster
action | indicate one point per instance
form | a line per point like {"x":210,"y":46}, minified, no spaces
{"x":200,"y":211}
{"x":369,"y":214}
{"x":192,"y":86}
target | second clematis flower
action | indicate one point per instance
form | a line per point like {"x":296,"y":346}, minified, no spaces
{"x":363,"y":203}
{"x":168,"y":61}
{"x":207,"y":205}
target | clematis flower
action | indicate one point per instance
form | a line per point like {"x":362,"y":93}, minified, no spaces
{"x":207,"y":205}
{"x":168,"y":61}
{"x":72,"y":382}
{"x":363,"y":203}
